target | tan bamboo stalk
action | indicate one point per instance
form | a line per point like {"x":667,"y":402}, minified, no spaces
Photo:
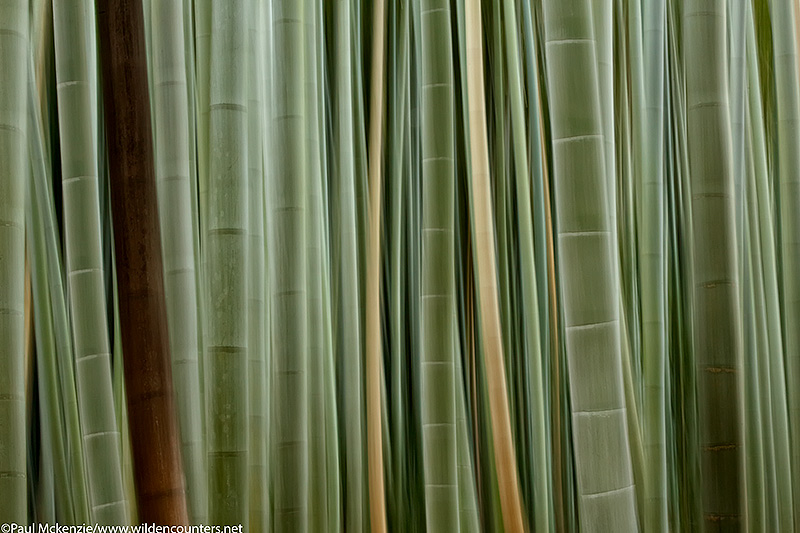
{"x":505,"y":458}
{"x":377,"y":504}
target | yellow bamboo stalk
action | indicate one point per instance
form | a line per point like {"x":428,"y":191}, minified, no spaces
{"x":505,"y":459}
{"x":377,"y":504}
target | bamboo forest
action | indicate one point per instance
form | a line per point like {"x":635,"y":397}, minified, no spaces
{"x":400,"y":266}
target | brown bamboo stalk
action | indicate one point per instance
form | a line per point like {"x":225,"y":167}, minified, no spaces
{"x":377,"y":503}
{"x":151,"y":414}
{"x":505,"y":458}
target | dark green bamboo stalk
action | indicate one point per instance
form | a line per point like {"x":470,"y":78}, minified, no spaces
{"x":715,"y":284}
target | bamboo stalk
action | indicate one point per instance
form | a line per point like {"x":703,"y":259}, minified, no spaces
{"x":13,"y":97}
{"x":159,"y":480}
{"x":589,"y":279}
{"x":171,"y":120}
{"x":787,"y":109}
{"x":87,"y":297}
{"x":349,"y":345}
{"x":256,"y":289}
{"x":288,"y":268}
{"x":438,"y":279}
{"x":715,"y":284}
{"x":486,"y":271}
{"x":377,"y":503}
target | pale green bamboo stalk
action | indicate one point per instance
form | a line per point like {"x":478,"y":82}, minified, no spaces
{"x":41,"y":187}
{"x":787,"y":90}
{"x":653,"y":277}
{"x":82,"y":228}
{"x":171,"y":120}
{"x":318,"y":480}
{"x":256,"y":288}
{"x":121,"y":412}
{"x":781,"y":436}
{"x":756,"y":421}
{"x":47,"y":364}
{"x":226,"y":271}
{"x":589,"y":273}
{"x":469,"y":517}
{"x":397,"y":190}
{"x":602,"y":18}
{"x":333,"y":492}
{"x":530,"y":306}
{"x":13,"y":167}
{"x":715,"y":291}
{"x":202,"y":24}
{"x":349,"y":353}
{"x":768,"y":499}
{"x":438,"y":277}
{"x":289,"y":266}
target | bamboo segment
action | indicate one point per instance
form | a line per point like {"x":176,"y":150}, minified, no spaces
{"x":13,"y":167}
{"x":348,"y":347}
{"x":438,"y":276}
{"x":589,"y":284}
{"x":788,"y":164}
{"x":171,"y":118}
{"x":226,"y":268}
{"x":288,"y":259}
{"x":717,"y":322}
{"x":82,"y":231}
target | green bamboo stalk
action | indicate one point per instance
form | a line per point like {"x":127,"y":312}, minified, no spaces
{"x":716,"y":321}
{"x":42,"y":189}
{"x":589,"y":273}
{"x":653,"y":277}
{"x":349,"y":343}
{"x":227,"y":268}
{"x":47,"y":365}
{"x":13,"y":96}
{"x":256,"y":288}
{"x":781,"y":437}
{"x":787,"y":107}
{"x":682,"y":251}
{"x":202,"y":24}
{"x":289,"y":266}
{"x":81,"y":195}
{"x":171,"y":118}
{"x":438,"y":277}
{"x":319,"y":476}
{"x":47,"y":341}
{"x":763,"y":505}
{"x":398,"y":136}
{"x":530,"y":306}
